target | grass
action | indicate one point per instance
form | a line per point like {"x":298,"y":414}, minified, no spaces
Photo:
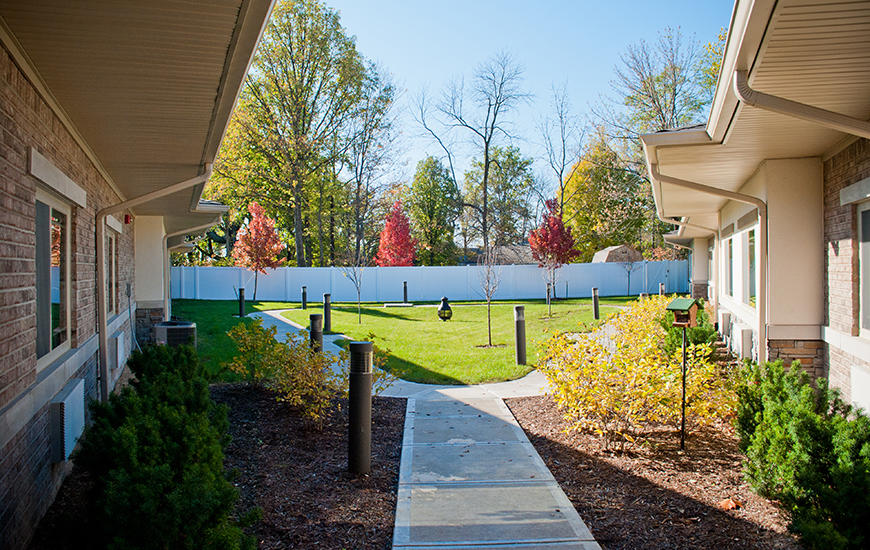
{"x":424,"y":349}
{"x":213,"y":319}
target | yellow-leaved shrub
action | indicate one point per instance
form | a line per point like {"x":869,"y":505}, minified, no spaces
{"x":300,"y":376}
{"x":619,"y":381}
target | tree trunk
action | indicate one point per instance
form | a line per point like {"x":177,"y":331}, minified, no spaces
{"x":320,"y":247}
{"x":358,"y":307}
{"x":488,"y":322}
{"x":331,"y":231}
{"x":298,"y":231}
{"x":256,"y":274}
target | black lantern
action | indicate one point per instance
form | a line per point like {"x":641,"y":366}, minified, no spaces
{"x":444,"y":311}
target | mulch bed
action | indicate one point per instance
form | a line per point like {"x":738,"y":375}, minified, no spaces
{"x":655,"y":496}
{"x":299,"y":477}
{"x":296,"y":475}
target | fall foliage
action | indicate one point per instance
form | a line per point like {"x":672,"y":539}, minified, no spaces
{"x":396,"y":247}
{"x":258,"y":244}
{"x":552,"y":244}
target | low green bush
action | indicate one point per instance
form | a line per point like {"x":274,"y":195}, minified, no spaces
{"x":811,"y":451}
{"x":155,"y":455}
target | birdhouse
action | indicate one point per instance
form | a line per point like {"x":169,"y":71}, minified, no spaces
{"x":685,"y":312}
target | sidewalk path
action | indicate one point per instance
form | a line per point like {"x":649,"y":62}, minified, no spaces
{"x":469,"y":477}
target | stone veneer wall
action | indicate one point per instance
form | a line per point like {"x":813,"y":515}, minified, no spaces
{"x":699,"y":290}
{"x":842,"y":270}
{"x":145,"y":320}
{"x":809,"y":353}
{"x":28,"y":478}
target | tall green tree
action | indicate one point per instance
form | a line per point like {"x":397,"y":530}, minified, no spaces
{"x":291,"y":121}
{"x":509,"y":215}
{"x":433,"y":202}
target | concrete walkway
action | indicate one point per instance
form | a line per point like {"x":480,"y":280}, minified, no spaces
{"x":469,"y":477}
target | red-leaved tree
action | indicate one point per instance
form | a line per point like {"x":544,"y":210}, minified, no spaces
{"x":396,"y":246}
{"x":552,"y":243}
{"x":257,"y":245}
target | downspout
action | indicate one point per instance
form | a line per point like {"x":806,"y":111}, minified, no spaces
{"x":102,"y":314}
{"x":823,"y":117}
{"x":762,"y":244}
{"x":167,"y":302}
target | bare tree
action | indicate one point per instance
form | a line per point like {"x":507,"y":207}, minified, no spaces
{"x":489,"y":275}
{"x":657,"y":87}
{"x":563,"y":143}
{"x":630,"y":267}
{"x":495,"y":90}
{"x":354,"y":271}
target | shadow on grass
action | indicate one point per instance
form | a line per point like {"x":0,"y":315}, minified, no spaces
{"x":385,"y":313}
{"x":403,"y":368}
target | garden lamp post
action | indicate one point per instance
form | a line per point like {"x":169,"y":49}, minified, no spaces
{"x":444,"y":311}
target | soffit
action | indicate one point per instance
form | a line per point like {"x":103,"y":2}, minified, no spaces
{"x":814,"y":52}
{"x":149,"y":86}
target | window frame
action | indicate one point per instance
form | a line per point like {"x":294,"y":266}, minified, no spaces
{"x":56,"y":203}
{"x":112,"y":286}
{"x":728,"y":251}
{"x":750,"y":268}
{"x":863,"y":271}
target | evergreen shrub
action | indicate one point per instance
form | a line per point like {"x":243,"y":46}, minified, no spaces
{"x":155,"y":455}
{"x":809,"y":450}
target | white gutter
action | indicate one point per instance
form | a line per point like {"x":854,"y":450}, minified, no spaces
{"x":762,"y":243}
{"x":167,"y":302}
{"x":102,"y":314}
{"x":823,"y":117}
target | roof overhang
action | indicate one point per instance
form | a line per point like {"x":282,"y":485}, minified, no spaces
{"x":813,"y":52}
{"x":145,"y":88}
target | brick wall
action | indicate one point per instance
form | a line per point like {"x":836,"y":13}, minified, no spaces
{"x":842,"y":298}
{"x":28,"y":480}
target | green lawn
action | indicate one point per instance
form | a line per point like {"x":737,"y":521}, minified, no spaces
{"x":426,"y":349}
{"x":213,"y":319}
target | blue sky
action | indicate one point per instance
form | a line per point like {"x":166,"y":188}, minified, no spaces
{"x":570,"y":43}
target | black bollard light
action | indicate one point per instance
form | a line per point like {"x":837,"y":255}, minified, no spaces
{"x":241,"y":302}
{"x":661,"y":289}
{"x":315,"y":330}
{"x":404,"y":292}
{"x":327,"y":313}
{"x":359,"y":410}
{"x":595,"y":313}
{"x":520,"y":333}
{"x":304,"y":297}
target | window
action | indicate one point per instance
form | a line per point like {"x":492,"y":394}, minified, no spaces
{"x":864,"y":265}
{"x":750,"y":263}
{"x":52,"y":277}
{"x":111,"y":272}
{"x":729,"y":267}
{"x":710,"y":260}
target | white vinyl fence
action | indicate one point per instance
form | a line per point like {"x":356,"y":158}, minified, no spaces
{"x":426,"y":283}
